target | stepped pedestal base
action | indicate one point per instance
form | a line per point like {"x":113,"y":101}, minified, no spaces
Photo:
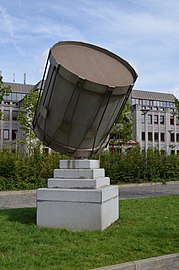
{"x":79,"y":197}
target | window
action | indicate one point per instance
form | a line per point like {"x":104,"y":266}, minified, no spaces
{"x":172,"y":120}
{"x":143,"y":136}
{"x":14,"y":134}
{"x":133,"y":101}
{"x":156,"y":136}
{"x":140,"y":102}
{"x":177,"y":137}
{"x":6,"y":115}
{"x":151,"y":103}
{"x":162,"y":137}
{"x":150,"y":136}
{"x":154,"y":103}
{"x":146,"y":102}
{"x":162,"y":119}
{"x":172,"y":137}
{"x":6,"y":134}
{"x":161,"y":103}
{"x":149,"y":119}
{"x":14,"y":97}
{"x":173,"y":152}
{"x":45,"y":150}
{"x":19,"y":96}
{"x":14,"y":115}
{"x":155,"y":119}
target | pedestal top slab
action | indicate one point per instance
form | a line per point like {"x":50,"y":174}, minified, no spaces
{"x":79,"y":173}
{"x":79,"y":164}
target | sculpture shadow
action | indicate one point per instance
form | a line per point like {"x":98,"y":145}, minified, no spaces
{"x":22,"y":215}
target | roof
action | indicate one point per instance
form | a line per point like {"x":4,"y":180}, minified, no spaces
{"x":19,"y":87}
{"x":152,"y":95}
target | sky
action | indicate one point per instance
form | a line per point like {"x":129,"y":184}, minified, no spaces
{"x":143,"y":32}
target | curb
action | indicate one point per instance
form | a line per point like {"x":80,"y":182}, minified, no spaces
{"x":146,"y":264}
{"x":148,"y":184}
{"x":16,"y":192}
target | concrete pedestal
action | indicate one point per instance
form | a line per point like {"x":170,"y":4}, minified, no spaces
{"x":79,"y":197}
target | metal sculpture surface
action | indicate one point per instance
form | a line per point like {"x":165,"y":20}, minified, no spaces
{"x":84,"y":89}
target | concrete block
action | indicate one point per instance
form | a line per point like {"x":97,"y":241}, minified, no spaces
{"x":78,"y":183}
{"x":79,"y":164}
{"x":157,"y":262}
{"x":79,"y":173}
{"x":77,"y":195}
{"x":77,"y":209}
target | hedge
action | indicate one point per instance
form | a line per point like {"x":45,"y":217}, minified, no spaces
{"x":30,"y":172}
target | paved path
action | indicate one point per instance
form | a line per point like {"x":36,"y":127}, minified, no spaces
{"x":148,"y":190}
{"x":17,"y":199}
{"x":22,"y":199}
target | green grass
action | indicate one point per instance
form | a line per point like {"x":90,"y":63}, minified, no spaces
{"x":146,"y":228}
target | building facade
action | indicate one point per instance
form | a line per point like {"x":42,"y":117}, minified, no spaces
{"x":9,"y":128}
{"x":155,"y":123}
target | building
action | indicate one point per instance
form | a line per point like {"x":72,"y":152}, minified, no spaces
{"x":9,"y":128}
{"x":154,"y":118}
{"x":155,"y":123}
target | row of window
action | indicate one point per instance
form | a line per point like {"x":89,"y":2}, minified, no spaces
{"x":152,"y":103}
{"x":7,"y":116}
{"x":6,"y":134}
{"x":155,"y":136}
{"x":14,"y":96}
{"x":156,"y":119}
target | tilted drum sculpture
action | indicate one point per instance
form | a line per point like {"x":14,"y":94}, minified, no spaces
{"x":83,"y":91}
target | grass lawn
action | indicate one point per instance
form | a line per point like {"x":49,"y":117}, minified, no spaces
{"x":146,"y":228}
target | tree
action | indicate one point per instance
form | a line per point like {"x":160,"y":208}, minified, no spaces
{"x":4,"y":91}
{"x":25,"y":118}
{"x":122,"y":130}
{"x":177,"y":107}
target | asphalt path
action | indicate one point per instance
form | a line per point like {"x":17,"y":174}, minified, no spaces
{"x":27,"y":198}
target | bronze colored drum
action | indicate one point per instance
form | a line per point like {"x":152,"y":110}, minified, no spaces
{"x":84,"y":90}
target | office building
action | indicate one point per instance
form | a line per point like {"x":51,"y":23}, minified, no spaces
{"x":9,"y":128}
{"x":155,"y":123}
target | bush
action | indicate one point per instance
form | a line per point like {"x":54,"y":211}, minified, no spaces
{"x":134,"y":166}
{"x":31,"y":172}
{"x":27,"y":172}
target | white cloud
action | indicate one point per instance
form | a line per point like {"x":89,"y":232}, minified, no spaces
{"x":145,"y":33}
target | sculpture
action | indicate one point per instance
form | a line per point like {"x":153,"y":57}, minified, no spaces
{"x":83,"y":91}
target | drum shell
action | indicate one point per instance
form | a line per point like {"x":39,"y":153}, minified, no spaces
{"x":74,"y":115}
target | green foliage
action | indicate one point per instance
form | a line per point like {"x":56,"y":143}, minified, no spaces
{"x":146,"y":228}
{"x":25,"y":118}
{"x":177,"y":107}
{"x":134,"y":166}
{"x":3,"y":91}
{"x":122,"y":129}
{"x":27,"y":172}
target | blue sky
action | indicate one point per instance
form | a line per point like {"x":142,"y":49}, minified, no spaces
{"x":143,"y":32}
